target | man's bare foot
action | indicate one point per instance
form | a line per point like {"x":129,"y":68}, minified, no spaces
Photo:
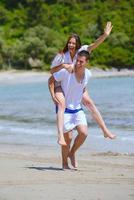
{"x":61,"y":141}
{"x":73,"y":161}
{"x":109,"y":135}
{"x":65,"y":167}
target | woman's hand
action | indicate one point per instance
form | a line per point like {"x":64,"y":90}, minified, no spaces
{"x":55,"y":100}
{"x":108,"y":28}
{"x":69,"y":67}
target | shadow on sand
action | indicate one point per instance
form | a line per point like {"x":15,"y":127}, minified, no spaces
{"x":46,"y":168}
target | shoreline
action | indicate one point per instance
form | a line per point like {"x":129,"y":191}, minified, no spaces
{"x":111,"y":73}
{"x":23,"y":76}
{"x":29,"y":76}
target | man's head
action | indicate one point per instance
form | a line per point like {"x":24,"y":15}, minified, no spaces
{"x":82,"y":59}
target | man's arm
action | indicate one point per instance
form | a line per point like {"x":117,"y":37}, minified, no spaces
{"x":106,"y":33}
{"x":89,"y":104}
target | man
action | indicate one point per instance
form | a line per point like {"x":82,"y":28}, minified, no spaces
{"x":73,"y":86}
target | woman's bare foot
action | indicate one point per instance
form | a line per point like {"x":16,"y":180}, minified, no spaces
{"x":73,"y":161}
{"x":61,"y":141}
{"x":108,"y":134}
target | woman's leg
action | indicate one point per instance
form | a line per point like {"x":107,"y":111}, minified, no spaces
{"x":87,"y":101}
{"x":60,"y":115}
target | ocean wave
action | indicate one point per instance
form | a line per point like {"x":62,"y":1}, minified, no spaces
{"x":32,"y":131}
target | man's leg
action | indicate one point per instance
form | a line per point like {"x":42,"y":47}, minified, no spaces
{"x":79,"y":140}
{"x":65,"y":149}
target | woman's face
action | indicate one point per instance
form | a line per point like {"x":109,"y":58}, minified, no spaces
{"x":72,"y":45}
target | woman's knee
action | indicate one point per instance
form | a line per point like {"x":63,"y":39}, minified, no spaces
{"x":61,"y":101}
{"x":61,"y":105}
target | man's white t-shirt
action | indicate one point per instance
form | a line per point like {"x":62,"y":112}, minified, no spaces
{"x":72,"y":89}
{"x":62,"y":58}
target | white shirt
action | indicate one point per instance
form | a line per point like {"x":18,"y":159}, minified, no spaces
{"x":72,"y":89}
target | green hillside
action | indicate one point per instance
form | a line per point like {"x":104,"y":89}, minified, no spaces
{"x":39,"y":29}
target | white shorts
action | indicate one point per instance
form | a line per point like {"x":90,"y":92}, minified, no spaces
{"x":71,"y":120}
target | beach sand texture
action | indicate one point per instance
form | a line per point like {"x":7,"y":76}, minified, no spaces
{"x":14,"y":75}
{"x":32,"y":173}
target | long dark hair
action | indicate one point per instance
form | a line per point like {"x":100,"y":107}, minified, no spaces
{"x":78,"y":42}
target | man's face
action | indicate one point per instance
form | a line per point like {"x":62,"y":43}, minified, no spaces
{"x":81,"y":62}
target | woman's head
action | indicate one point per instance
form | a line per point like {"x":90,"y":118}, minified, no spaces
{"x":73,"y":43}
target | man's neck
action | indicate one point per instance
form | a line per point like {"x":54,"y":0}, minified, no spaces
{"x":79,"y":74}
{"x":79,"y":70}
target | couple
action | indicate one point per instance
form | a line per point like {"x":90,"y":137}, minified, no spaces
{"x":71,"y":77}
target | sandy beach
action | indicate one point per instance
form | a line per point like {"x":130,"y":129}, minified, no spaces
{"x":23,"y":76}
{"x":35,"y":173}
{"x":26,"y":76}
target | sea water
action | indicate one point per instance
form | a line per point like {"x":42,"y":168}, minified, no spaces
{"x":27,"y":114}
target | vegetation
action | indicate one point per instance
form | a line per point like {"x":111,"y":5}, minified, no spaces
{"x":38,"y":29}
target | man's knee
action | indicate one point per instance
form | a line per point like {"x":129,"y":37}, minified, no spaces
{"x":82,"y":130}
{"x":84,"y":133}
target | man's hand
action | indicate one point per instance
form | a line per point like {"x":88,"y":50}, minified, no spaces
{"x":108,"y":28}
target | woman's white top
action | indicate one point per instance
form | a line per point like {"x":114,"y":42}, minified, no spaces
{"x":62,"y":58}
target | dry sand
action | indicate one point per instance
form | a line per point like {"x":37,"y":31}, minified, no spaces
{"x":33,"y":173}
{"x":26,"y":76}
{"x":12,"y":76}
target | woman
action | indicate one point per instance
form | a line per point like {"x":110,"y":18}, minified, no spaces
{"x":66,"y":59}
